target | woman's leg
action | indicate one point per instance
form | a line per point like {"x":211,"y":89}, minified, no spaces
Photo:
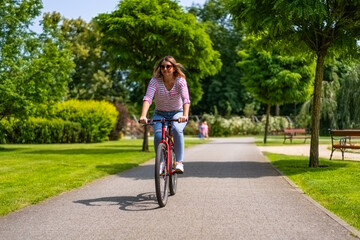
{"x":178,"y":133}
{"x":157,"y":131}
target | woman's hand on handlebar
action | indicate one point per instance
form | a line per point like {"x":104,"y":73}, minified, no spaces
{"x":143,"y":120}
{"x":182,"y":119}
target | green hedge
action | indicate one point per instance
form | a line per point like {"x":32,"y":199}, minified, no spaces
{"x":39,"y":130}
{"x":97,"y":118}
{"x":72,"y":121}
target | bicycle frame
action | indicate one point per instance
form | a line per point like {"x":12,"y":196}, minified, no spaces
{"x":165,"y":177}
{"x":167,"y":140}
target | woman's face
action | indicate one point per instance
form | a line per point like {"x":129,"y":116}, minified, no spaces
{"x":167,"y":69}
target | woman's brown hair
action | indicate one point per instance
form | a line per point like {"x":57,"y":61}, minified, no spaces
{"x":177,"y":67}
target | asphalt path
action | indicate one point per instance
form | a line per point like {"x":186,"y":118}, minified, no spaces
{"x":229,"y":191}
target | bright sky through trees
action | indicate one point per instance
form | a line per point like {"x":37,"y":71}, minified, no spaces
{"x":87,"y":9}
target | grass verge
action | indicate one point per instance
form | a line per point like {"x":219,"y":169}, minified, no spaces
{"x":32,"y":173}
{"x":335,"y":184}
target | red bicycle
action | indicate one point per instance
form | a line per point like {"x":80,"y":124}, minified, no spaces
{"x":165,"y":161}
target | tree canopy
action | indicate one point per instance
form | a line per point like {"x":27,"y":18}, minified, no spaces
{"x":34,"y":69}
{"x":93,"y":77}
{"x":340,"y":93}
{"x":141,"y":32}
{"x":223,"y":90}
{"x":275,"y":79}
{"x":321,"y":27}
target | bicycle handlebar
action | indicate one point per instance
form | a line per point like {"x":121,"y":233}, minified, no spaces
{"x":152,"y":121}
{"x":164,"y":120}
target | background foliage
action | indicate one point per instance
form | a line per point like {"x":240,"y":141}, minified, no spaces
{"x":34,"y":69}
{"x":223,"y":90}
{"x":98,"y":118}
{"x":72,"y":121}
{"x":111,"y":58}
{"x":141,"y":32}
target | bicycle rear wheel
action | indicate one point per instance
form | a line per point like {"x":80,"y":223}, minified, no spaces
{"x":161,"y":175}
{"x":173,"y":177}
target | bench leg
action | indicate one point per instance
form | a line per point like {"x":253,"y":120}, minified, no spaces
{"x":342,"y":152}
{"x":331,"y":153}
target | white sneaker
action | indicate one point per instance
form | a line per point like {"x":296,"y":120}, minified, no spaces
{"x":162,"y":167}
{"x":179,"y":167}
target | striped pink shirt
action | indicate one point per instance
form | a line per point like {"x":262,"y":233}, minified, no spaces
{"x":167,"y":100}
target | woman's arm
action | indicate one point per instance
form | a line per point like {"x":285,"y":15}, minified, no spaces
{"x":145,"y":108}
{"x":147,"y":101}
{"x":186,"y":100}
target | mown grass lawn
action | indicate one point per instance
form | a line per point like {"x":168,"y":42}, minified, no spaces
{"x":335,"y":184}
{"x":32,"y":173}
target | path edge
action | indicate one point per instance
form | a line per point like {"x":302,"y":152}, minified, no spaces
{"x":353,"y":231}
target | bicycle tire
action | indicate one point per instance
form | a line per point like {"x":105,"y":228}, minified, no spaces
{"x":174,"y":176}
{"x":161,"y":176}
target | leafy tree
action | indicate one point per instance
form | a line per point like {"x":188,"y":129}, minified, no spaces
{"x":348,"y":98}
{"x":34,"y":68}
{"x":322,"y":27}
{"x":275,"y":79}
{"x":93,"y":77}
{"x":140,"y":32}
{"x":223,"y":90}
{"x":339,"y":95}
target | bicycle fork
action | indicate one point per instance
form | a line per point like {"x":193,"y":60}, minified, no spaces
{"x":168,"y":149}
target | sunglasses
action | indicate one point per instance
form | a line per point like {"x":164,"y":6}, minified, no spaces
{"x":166,"y":66}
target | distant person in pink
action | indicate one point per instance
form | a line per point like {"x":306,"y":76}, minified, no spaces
{"x":204,"y":130}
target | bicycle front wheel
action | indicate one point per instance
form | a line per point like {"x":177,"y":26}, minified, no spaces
{"x":161,"y":175}
{"x":173,"y":177}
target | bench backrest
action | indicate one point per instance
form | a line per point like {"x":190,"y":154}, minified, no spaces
{"x":294,"y":130}
{"x":345,"y":132}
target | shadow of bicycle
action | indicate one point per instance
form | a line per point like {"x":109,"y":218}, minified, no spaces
{"x":141,"y":202}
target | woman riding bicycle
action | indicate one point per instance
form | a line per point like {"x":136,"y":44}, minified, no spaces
{"x":169,"y":88}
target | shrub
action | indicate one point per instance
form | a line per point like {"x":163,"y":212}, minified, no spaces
{"x":39,"y":130}
{"x":4,"y":131}
{"x":276,"y":123}
{"x":192,"y":128}
{"x":97,"y":118}
{"x":123,"y":118}
{"x":234,"y":126}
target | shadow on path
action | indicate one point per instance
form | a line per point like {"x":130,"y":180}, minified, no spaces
{"x":141,"y":202}
{"x":209,"y":170}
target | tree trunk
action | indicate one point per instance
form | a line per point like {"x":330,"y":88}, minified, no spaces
{"x":277,"y":112}
{"x":145,"y":146}
{"x":315,"y":115}
{"x":267,"y":122}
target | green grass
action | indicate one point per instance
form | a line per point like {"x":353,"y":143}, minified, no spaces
{"x":335,"y":184}
{"x":32,"y":173}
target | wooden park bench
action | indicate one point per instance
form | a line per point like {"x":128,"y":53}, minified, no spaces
{"x":344,"y":139}
{"x":299,"y":133}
